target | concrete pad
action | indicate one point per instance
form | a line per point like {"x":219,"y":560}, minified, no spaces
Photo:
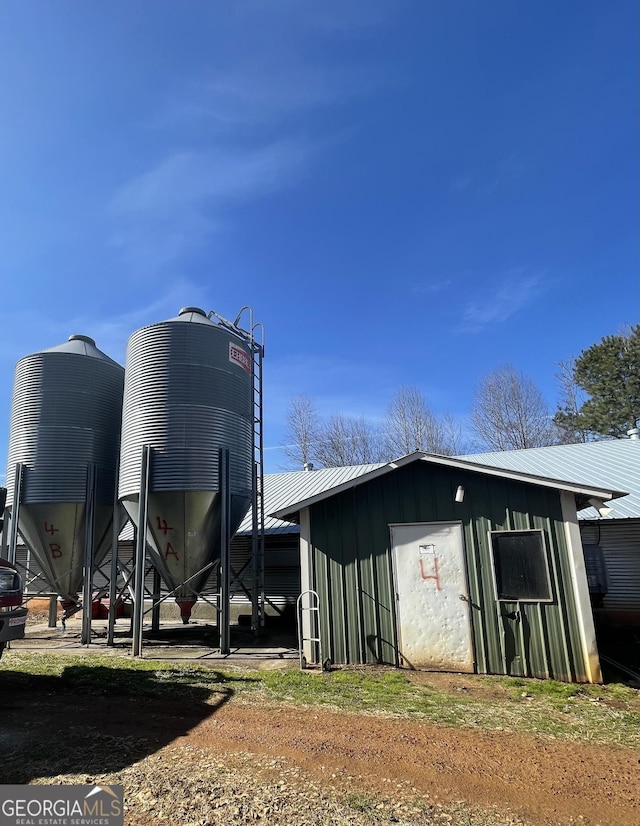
{"x":196,"y":642}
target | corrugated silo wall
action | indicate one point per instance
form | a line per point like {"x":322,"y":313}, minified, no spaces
{"x":352,"y":569}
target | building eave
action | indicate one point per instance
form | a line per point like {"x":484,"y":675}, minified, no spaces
{"x":584,"y":492}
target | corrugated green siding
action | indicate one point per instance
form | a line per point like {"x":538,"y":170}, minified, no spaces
{"x":352,"y":574}
{"x":352,"y":570}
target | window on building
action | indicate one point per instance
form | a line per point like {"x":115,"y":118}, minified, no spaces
{"x":596,"y":574}
{"x":520,"y":565}
{"x":596,"y":569}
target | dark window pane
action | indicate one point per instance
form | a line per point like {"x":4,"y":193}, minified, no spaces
{"x":596,"y":569}
{"x":520,"y":564}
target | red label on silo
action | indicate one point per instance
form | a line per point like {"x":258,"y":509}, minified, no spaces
{"x":239,"y":356}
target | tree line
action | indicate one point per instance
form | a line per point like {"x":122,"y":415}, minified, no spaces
{"x":599,"y":398}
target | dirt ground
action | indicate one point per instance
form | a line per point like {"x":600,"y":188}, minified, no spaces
{"x":231,"y":762}
{"x":301,"y":763}
{"x":542,"y":782}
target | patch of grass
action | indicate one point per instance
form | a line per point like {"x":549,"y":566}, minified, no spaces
{"x":559,"y":710}
{"x":387,"y":691}
{"x":360,"y":802}
{"x":116,"y":676}
{"x":551,"y":689}
{"x":599,"y":714}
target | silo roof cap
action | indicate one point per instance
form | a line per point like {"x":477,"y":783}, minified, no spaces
{"x":78,"y":337}
{"x":80,"y":345}
{"x":186,"y":310}
{"x":193,"y":314}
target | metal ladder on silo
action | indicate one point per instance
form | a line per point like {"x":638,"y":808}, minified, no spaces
{"x":257,"y":549}
{"x":255,"y":589}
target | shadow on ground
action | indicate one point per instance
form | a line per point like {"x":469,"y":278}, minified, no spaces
{"x":92,"y":719}
{"x":619,"y":644}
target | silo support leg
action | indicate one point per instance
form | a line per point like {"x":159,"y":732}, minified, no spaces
{"x":113,"y":575}
{"x":53,"y":611}
{"x":15,"y":513}
{"x":89,"y":537}
{"x":155,"y":611}
{"x":141,"y":543}
{"x":224,"y":618}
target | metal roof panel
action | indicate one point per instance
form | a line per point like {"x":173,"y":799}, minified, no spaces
{"x":284,"y":489}
{"x":582,"y":489}
{"x":613,"y":464}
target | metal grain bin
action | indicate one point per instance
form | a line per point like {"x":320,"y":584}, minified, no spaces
{"x":188,"y":393}
{"x":65,"y":416}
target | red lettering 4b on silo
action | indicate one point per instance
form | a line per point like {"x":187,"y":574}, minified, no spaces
{"x":54,"y":548}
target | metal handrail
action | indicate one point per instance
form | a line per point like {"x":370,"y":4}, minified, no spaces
{"x":313,"y":597}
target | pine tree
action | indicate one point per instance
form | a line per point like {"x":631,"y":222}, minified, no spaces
{"x":609,"y":373}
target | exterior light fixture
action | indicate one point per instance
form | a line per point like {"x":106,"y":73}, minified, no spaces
{"x":459,"y":494}
{"x":600,"y":506}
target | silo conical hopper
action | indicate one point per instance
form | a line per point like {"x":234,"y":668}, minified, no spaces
{"x":188,"y":393}
{"x":65,"y":416}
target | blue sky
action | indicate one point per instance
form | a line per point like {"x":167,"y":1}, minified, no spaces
{"x":406,"y":192}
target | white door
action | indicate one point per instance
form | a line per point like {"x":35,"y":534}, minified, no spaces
{"x":432,"y":604}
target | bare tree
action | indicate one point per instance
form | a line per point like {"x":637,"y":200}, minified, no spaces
{"x":510,"y":412}
{"x":571,"y":398}
{"x":411,"y":425}
{"x":303,"y":431}
{"x":456,"y":440}
{"x":349,"y":441}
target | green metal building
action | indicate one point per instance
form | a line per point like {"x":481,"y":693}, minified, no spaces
{"x":440,"y":563}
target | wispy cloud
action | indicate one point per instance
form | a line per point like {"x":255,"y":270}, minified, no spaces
{"x":460,"y":183}
{"x":507,"y":172}
{"x":433,"y":286}
{"x":181,"y":203}
{"x":249,"y":107}
{"x":348,"y":16}
{"x":110,"y":331}
{"x":191,"y":180}
{"x":504,"y":173}
{"x":240,"y":100}
{"x":508,"y":298}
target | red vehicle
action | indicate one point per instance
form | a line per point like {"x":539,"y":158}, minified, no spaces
{"x":13,"y":616}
